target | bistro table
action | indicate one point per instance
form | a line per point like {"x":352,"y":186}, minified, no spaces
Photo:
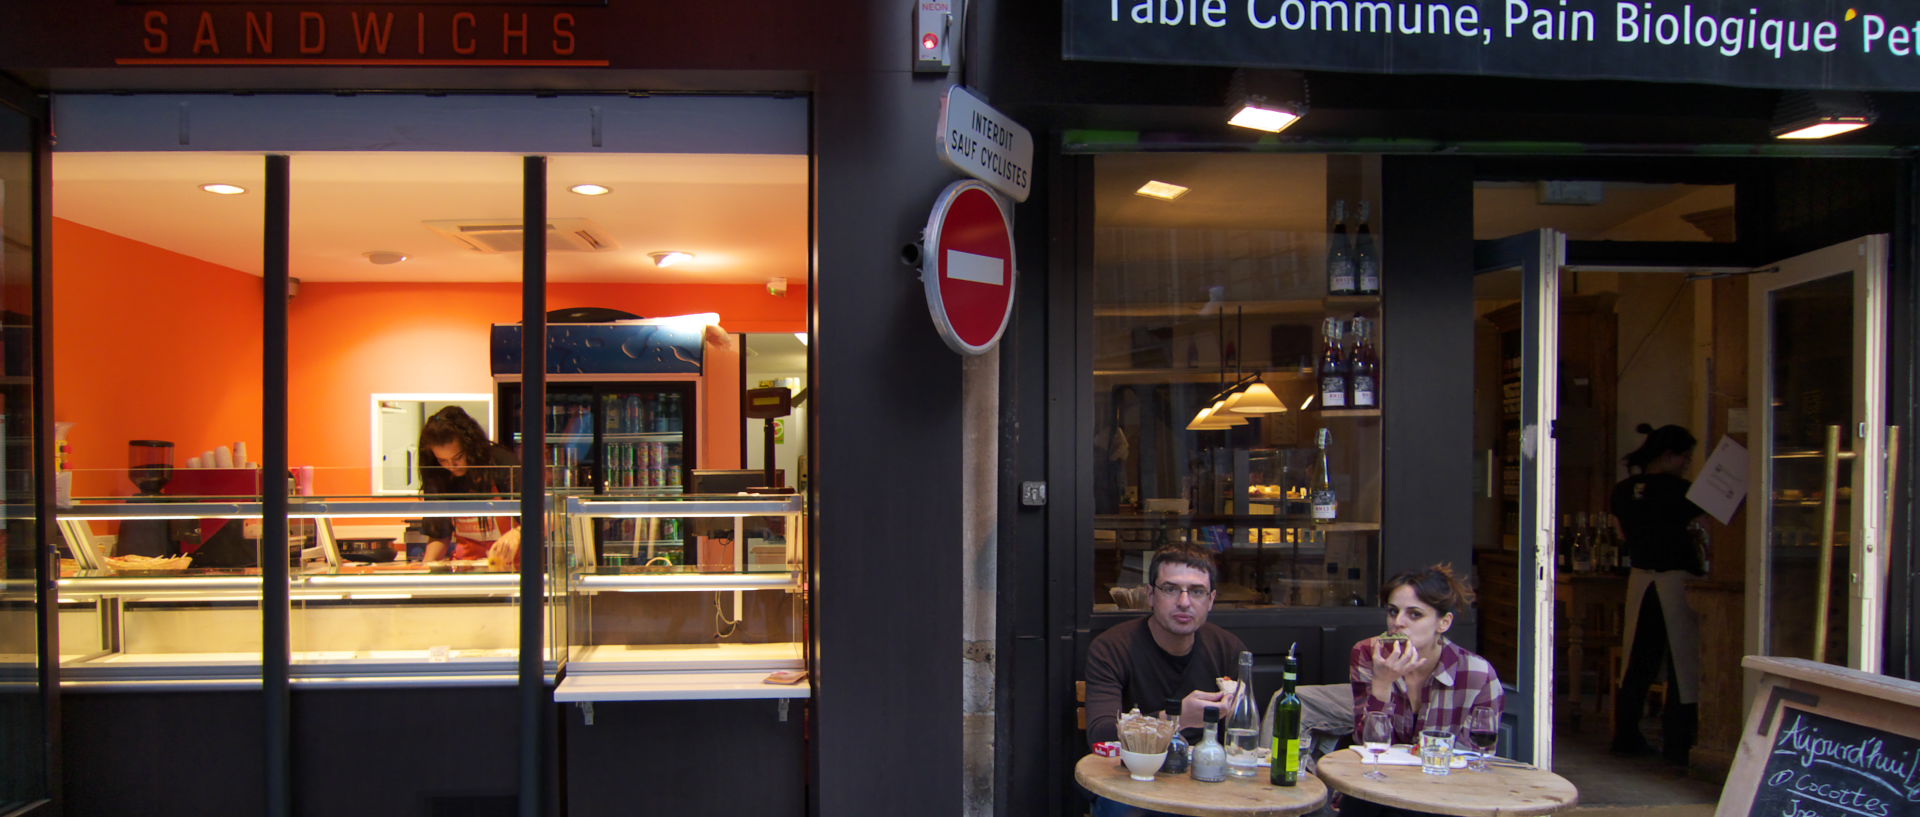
{"x":1181,"y":794}
{"x":1500,"y":791}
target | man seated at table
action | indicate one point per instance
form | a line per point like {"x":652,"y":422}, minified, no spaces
{"x":1169,"y":660}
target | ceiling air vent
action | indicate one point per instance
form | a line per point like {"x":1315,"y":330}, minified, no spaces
{"x":498,"y":235}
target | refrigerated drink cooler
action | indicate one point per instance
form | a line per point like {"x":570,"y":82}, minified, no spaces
{"x":621,"y":419}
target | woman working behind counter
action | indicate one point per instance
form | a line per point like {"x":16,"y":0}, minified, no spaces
{"x":457,"y":458}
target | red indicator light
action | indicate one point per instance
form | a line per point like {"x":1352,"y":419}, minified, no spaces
{"x":930,"y":41}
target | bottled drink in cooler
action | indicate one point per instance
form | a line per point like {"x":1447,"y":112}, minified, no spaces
{"x":1364,"y":370}
{"x":1339,"y":254}
{"x":1333,"y":368}
{"x":1243,"y":726}
{"x":1366,"y":261}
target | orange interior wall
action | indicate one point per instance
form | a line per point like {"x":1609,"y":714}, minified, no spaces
{"x":720,"y":418}
{"x":118,"y":379}
{"x":149,"y":344}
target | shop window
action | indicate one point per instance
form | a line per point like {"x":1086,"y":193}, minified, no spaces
{"x":1258,"y":284}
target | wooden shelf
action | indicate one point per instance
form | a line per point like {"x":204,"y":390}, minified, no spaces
{"x":1304,"y":307}
{"x":1334,"y":413}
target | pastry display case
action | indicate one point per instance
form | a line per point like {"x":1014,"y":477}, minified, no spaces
{"x":725,"y":621}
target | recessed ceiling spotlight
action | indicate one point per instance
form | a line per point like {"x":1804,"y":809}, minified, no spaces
{"x":223,"y":189}
{"x":591,"y":189}
{"x":1164,"y":191}
{"x":385,"y":256}
{"x":668,"y":258}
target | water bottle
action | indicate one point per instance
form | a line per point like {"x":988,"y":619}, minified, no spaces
{"x":1243,"y":726}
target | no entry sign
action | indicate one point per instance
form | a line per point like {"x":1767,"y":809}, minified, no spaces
{"x":967,"y":267}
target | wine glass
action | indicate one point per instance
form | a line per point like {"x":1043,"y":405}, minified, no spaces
{"x":1377,"y":733}
{"x":1483,"y":728}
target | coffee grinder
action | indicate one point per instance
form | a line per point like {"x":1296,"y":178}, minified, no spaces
{"x":150,"y":467}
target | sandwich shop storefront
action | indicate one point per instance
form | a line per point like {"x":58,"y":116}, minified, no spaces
{"x":1575,"y":220}
{"x":366,"y":269}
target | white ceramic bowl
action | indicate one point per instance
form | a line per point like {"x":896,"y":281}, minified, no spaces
{"x":1142,"y":766}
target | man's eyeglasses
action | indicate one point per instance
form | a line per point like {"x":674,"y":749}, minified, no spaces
{"x":1198,"y":592}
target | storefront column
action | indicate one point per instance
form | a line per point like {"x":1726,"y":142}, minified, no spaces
{"x":887,"y":441}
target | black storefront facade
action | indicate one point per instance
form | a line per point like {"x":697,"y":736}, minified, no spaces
{"x":869,"y":178}
{"x":1445,"y":118}
{"x":883,"y":732}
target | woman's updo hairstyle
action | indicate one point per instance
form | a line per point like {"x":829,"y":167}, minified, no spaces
{"x":1668,"y":439}
{"x":1435,"y":586}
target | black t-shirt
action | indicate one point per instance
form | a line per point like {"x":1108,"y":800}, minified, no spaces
{"x":1653,"y":510}
{"x":489,"y":475}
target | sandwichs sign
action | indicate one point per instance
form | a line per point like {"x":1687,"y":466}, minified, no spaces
{"x":1759,"y":43}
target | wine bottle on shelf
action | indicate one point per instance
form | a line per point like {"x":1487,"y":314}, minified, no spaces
{"x":1243,"y":726}
{"x":1340,"y":254}
{"x":1333,"y":368}
{"x":1364,"y":369}
{"x":1284,"y":763}
{"x":1321,"y":497}
{"x":1366,"y":262}
{"x":1582,"y":550}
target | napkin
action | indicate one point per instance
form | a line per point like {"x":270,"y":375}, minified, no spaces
{"x":1400,"y":754}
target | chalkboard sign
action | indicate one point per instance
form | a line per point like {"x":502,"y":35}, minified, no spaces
{"x":1822,"y":767}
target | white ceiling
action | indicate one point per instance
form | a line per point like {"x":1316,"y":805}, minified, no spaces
{"x":743,"y":216}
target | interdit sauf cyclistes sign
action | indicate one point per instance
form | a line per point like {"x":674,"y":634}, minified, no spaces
{"x":1758,"y":43}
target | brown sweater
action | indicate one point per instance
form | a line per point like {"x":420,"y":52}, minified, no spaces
{"x":1126,"y":668}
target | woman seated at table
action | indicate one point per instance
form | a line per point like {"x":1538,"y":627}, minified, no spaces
{"x":1424,"y":681}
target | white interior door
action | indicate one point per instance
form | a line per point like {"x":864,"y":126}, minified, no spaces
{"x":1817,"y":346}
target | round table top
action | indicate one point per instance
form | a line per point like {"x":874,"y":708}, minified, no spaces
{"x":1500,"y":791}
{"x":1181,"y":794}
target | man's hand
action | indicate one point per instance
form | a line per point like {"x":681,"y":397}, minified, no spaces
{"x":1193,"y":708}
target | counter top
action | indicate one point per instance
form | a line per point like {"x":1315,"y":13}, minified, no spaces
{"x":580,"y":687}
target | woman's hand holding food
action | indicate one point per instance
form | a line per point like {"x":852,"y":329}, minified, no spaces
{"x":1393,"y":658}
{"x":505,"y":552}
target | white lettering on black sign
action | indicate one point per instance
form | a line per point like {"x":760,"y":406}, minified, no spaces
{"x":1822,"y":767}
{"x":1771,"y":43}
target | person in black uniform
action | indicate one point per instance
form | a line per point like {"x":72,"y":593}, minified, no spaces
{"x":1654,"y":515}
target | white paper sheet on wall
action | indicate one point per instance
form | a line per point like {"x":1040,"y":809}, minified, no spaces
{"x":1723,"y":482}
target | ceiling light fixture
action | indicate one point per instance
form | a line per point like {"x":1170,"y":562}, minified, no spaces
{"x":668,"y":258}
{"x":1164,"y":191}
{"x":590,"y":189}
{"x":385,"y":257}
{"x":1820,"y":114}
{"x":1266,"y":101}
{"x":223,"y":189}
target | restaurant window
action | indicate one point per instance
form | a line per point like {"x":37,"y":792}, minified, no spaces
{"x":1236,"y":379}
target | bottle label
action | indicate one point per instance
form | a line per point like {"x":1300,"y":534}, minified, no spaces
{"x":1369,"y":278}
{"x":1340,"y":279}
{"x":1333,"y":392}
{"x":1363,"y":391}
{"x":1292,"y":756}
{"x":1323,"y":505}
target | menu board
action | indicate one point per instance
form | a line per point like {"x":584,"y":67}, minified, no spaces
{"x":1824,"y":767}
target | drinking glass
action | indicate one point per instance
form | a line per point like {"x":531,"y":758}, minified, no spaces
{"x":1436,"y":751}
{"x":1484,"y":730}
{"x":1377,"y":733}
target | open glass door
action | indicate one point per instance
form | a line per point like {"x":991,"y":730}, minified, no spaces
{"x":1817,"y":337}
{"x":1516,"y":296}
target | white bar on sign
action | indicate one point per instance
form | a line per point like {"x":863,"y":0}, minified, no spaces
{"x":980,"y":269}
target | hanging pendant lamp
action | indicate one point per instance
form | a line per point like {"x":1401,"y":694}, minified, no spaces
{"x":1258,"y":399}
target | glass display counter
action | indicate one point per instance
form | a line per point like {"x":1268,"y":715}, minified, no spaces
{"x":711,"y":614}
{"x":356,"y":616}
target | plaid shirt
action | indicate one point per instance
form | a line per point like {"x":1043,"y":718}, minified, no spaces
{"x":1462,"y":680}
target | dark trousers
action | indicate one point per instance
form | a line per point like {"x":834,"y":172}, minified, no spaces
{"x":1680,"y":722}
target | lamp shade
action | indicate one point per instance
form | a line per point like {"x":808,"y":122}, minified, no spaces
{"x":1259,"y":399}
{"x":1223,"y":417}
{"x":1199,"y":422}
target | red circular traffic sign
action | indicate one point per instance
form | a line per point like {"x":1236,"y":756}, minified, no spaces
{"x":967,"y":267}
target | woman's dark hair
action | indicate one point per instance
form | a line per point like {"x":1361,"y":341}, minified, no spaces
{"x":449,"y":425}
{"x":1663,"y":440}
{"x":1186,"y":555}
{"x":1435,"y":586}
